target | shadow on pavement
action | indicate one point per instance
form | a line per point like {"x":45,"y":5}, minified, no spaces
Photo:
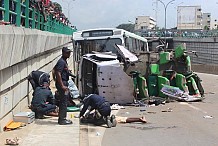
{"x":46,"y":121}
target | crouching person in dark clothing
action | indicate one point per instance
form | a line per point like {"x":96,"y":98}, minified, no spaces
{"x":42,"y":102}
{"x":101,"y":107}
{"x":37,"y":78}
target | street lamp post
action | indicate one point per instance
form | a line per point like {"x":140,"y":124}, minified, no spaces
{"x":68,"y":7}
{"x":165,"y":15}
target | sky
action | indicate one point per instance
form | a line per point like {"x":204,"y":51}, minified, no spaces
{"x":87,"y":14}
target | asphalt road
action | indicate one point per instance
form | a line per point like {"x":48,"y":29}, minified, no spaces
{"x":184,"y":126}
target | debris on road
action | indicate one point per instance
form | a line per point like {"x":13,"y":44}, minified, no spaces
{"x":152,"y":112}
{"x":14,"y":141}
{"x":142,"y":110}
{"x":13,"y":125}
{"x":175,"y":92}
{"x":76,"y":116}
{"x":171,"y":127}
{"x":24,"y":117}
{"x":137,"y":104}
{"x":98,"y":134}
{"x":117,"y":107}
{"x":168,"y":110}
{"x":209,"y":93}
{"x":208,"y":117}
{"x":156,"y":102}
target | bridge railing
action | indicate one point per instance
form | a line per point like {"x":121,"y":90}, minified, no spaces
{"x":182,"y":33}
{"x":20,"y":13}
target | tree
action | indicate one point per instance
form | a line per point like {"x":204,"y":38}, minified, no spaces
{"x":206,"y":27}
{"x":127,"y":27}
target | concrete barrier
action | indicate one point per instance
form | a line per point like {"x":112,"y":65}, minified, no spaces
{"x":6,"y":47}
{"x":7,"y":81}
{"x":6,"y":103}
{"x":22,"y":51}
{"x":18,"y":43}
{"x":206,"y":60}
{"x":202,"y":68}
{"x":29,"y":44}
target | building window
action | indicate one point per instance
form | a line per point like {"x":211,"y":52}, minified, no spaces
{"x":198,"y":16}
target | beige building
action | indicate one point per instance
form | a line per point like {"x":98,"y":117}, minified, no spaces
{"x":189,"y":17}
{"x":145,"y":22}
{"x":206,"y":20}
{"x":214,"y":24}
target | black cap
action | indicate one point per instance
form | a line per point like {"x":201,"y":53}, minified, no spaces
{"x":66,"y":50}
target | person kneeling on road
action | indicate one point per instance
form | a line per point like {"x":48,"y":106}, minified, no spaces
{"x":102,"y":110}
{"x":42,"y":102}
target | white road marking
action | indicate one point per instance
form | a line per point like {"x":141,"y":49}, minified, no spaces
{"x":193,"y":107}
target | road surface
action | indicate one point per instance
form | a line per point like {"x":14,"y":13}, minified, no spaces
{"x":185,"y":125}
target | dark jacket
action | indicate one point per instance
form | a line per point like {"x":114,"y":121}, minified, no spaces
{"x":41,"y":96}
{"x":37,"y":78}
{"x":93,"y":100}
{"x":62,"y":67}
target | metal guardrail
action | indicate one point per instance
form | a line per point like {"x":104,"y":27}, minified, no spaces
{"x":184,"y":35}
{"x":189,"y":33}
{"x":19,"y":13}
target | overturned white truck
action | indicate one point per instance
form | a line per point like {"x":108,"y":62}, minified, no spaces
{"x":102,"y":74}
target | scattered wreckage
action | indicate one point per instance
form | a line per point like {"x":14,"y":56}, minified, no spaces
{"x":113,"y":76}
{"x":118,"y":65}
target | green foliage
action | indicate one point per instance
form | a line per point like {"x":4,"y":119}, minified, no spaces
{"x":127,"y":27}
{"x":158,"y":28}
{"x":206,"y":27}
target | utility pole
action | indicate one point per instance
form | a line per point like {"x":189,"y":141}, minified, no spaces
{"x":69,"y":2}
{"x":165,"y":20}
{"x":156,"y":13}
